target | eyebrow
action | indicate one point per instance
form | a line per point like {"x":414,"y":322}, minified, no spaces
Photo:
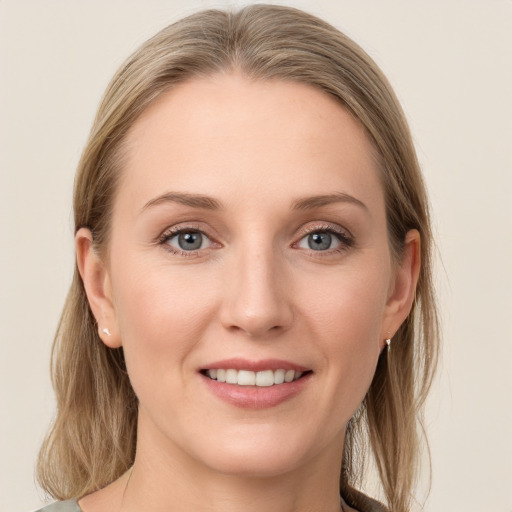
{"x":193,"y":200}
{"x":309,"y":203}
{"x":209,"y":203}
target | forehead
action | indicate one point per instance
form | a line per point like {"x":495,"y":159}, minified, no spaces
{"x":227,"y":132}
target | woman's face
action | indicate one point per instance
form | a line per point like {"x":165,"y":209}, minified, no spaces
{"x":249,"y":243}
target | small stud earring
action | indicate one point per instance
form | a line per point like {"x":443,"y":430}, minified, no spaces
{"x":107,"y":332}
{"x":388,"y":343}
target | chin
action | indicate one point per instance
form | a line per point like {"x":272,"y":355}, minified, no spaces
{"x":260,"y":455}
{"x":256,"y":465}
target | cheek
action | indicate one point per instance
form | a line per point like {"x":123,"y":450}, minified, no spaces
{"x":349,"y":304}
{"x":345,"y":315}
{"x":161,"y":314}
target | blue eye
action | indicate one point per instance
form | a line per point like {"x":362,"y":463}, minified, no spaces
{"x":188,"y":240}
{"x":320,"y":241}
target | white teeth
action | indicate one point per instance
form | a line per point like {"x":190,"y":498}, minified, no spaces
{"x":289,"y":375}
{"x":264,"y":378}
{"x":231,"y":376}
{"x":246,"y":378}
{"x":279,"y":376}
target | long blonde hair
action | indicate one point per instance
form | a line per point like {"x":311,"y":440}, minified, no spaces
{"x":92,"y":441}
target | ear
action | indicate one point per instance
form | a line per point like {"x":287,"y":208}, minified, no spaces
{"x":403,"y":286}
{"x":97,"y":285}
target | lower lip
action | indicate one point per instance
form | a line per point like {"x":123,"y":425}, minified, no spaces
{"x":255,"y":397}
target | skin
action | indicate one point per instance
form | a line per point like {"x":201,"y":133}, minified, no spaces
{"x":254,"y":290}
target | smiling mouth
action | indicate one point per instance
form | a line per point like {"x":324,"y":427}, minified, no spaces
{"x":265,"y":378}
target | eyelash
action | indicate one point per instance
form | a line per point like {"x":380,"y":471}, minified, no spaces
{"x":346,"y":239}
{"x":170,"y":233}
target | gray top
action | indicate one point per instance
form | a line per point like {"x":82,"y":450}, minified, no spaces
{"x":62,"y":506}
{"x":72,"y":505}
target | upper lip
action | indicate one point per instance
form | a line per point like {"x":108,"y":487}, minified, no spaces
{"x":255,"y":366}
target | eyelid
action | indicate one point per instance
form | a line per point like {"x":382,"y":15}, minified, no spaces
{"x":177,"y":228}
{"x":326,"y":227}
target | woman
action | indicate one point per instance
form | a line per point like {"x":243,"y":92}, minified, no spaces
{"x":252,"y":313}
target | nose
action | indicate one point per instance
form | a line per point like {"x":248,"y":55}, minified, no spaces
{"x":257,"y":296}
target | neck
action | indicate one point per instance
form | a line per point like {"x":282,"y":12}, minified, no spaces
{"x":165,"y":478}
{"x":226,"y":493}
{"x":170,"y":479}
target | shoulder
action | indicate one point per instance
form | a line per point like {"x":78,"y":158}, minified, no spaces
{"x":61,"y":506}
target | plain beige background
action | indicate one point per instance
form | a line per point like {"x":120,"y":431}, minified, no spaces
{"x":450,"y":63}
